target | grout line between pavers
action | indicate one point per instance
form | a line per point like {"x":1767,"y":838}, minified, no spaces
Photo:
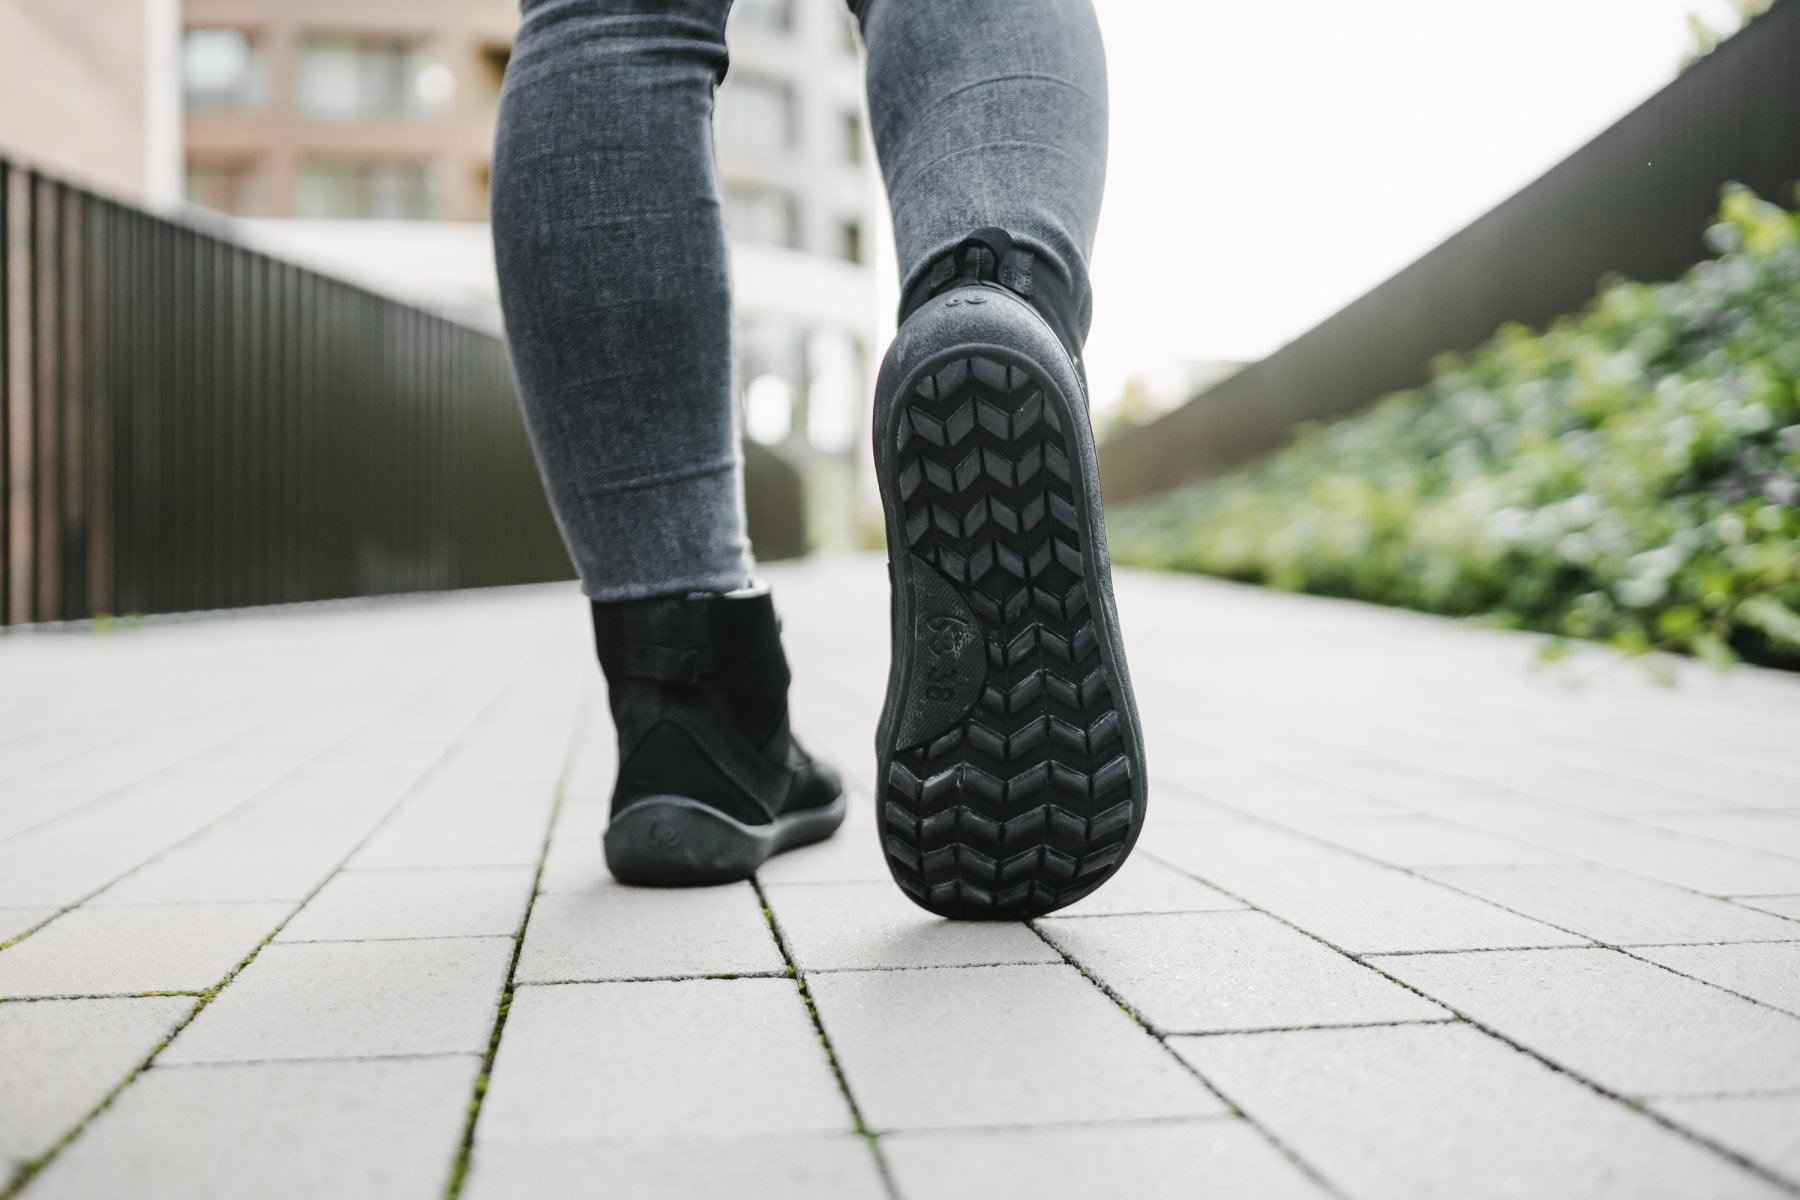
{"x":31,"y":1168}
{"x":869,"y":1136}
{"x":1620,"y":1098}
{"x":696,"y":978}
{"x":465,"y":1150}
{"x":1322,"y":1027}
{"x":1233,"y":1108}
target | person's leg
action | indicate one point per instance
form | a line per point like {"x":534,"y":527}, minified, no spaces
{"x":613,"y":276}
{"x":615,"y":284}
{"x":990,"y":114}
{"x":1011,"y":767}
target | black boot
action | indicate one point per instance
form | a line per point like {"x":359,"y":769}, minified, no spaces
{"x":711,"y":781}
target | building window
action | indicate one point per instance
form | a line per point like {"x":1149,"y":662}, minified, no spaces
{"x":763,"y":216}
{"x":774,"y":15}
{"x":853,"y":136}
{"x":226,"y":185}
{"x":850,"y":240}
{"x":364,"y":188}
{"x":757,"y":114}
{"x":494,"y":58}
{"x":220,"y":70}
{"x":343,"y":78}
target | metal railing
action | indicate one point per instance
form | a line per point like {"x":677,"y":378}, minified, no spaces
{"x":1636,"y":201}
{"x":186,"y":424}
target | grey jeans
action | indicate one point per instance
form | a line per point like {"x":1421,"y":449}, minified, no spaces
{"x":611,"y":247}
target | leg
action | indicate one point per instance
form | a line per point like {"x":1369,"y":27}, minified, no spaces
{"x":613,"y":273}
{"x":1011,"y":767}
{"x":614,"y":278}
{"x":990,"y":114}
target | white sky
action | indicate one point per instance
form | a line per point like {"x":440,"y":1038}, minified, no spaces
{"x":1271,"y":160}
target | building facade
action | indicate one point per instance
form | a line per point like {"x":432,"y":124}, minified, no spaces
{"x":88,"y":90}
{"x":358,"y":137}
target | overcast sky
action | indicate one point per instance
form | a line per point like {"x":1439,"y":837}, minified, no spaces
{"x":1273,"y":159}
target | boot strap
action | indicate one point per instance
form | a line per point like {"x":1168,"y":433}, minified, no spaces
{"x":667,"y":643}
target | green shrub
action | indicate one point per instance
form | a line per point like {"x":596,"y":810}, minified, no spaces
{"x":1631,"y":474}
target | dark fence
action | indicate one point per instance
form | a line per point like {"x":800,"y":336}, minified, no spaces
{"x":1634,"y":201}
{"x":189,"y":424}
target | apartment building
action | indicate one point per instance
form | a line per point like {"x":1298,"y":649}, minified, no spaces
{"x":357,"y":135}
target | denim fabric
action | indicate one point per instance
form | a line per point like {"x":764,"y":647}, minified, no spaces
{"x":610,"y":243}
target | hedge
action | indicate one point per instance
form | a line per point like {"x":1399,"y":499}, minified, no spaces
{"x":1631,"y":474}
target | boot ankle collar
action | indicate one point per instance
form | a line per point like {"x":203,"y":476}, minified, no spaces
{"x":992,"y":256}
{"x":682,"y":640}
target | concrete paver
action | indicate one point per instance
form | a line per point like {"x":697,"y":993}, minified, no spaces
{"x":277,"y":1131}
{"x":872,"y":926}
{"x":839,"y":1167}
{"x":968,"y":1046}
{"x":1627,"y":1025}
{"x":1156,"y":1161}
{"x":1231,"y":971}
{"x":1613,"y":906}
{"x":1764,"y":1129}
{"x":616,"y":932}
{"x":353,"y":1000}
{"x":59,"y":1058}
{"x":102,"y":950}
{"x":414,"y":903}
{"x":1444,"y":1110}
{"x":696,"y":1058}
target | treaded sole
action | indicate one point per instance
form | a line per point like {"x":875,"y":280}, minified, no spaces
{"x":1010,"y":760}
{"x":674,"y":841}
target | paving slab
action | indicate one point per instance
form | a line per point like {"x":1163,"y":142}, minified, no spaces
{"x":1356,"y":905}
{"x":1144,"y":885}
{"x":873,"y":926}
{"x":1231,"y":971}
{"x":1768,"y":973}
{"x":59,"y":1058}
{"x":686,"y":1058}
{"x":1764,"y":1129}
{"x":1627,"y":1025}
{"x":1018,"y":1045}
{"x":124,"y":949}
{"x":1777,"y":832}
{"x":853,"y":856}
{"x":277,"y":1131}
{"x":1781,"y":906}
{"x":611,"y":931}
{"x":353,"y":1000}
{"x":1174,"y":1160}
{"x":14,"y":921}
{"x":1613,"y":906}
{"x":1445,"y":1110}
{"x":424,"y":902}
{"x":840,"y":1167}
{"x":1421,"y":841}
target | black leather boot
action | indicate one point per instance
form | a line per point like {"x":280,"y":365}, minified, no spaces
{"x":711,"y":781}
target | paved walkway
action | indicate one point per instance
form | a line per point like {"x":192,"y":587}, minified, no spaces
{"x":295,"y":894}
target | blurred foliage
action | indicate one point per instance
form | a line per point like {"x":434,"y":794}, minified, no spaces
{"x":1631,"y":474}
{"x":1706,"y":39}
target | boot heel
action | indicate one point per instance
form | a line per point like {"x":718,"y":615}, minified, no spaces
{"x":671,"y":841}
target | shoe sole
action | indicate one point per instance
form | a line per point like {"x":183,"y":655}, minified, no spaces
{"x":1010,"y":760}
{"x":674,"y":841}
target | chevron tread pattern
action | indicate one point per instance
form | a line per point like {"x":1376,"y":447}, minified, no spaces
{"x":1026,"y":804}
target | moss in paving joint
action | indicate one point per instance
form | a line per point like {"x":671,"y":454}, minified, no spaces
{"x":465,"y":1154}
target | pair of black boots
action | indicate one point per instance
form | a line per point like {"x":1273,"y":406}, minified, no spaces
{"x":1010,"y":768}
